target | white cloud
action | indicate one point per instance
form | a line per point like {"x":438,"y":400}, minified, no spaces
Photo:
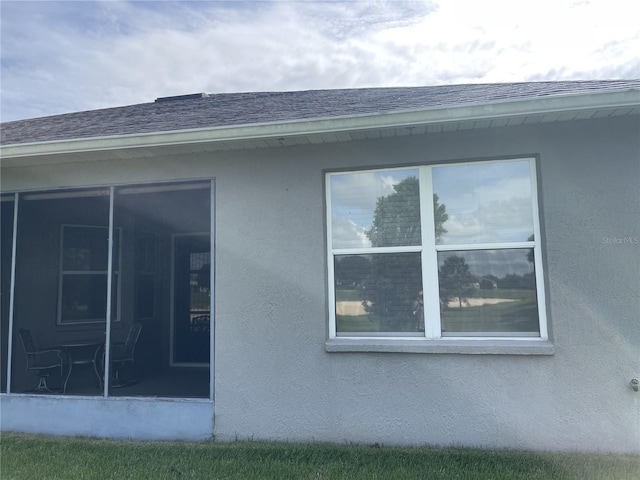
{"x":359,"y":191}
{"x":67,"y":56}
{"x":347,"y":234}
{"x":488,"y":202}
{"x":497,"y":221}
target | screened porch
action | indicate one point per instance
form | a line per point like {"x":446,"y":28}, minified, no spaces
{"x":107,"y":291}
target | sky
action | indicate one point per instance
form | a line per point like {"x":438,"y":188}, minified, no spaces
{"x":59,"y":57}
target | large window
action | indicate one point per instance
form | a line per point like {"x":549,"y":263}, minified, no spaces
{"x":84,"y":273}
{"x":436,"y":252}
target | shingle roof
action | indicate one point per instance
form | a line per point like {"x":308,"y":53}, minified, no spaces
{"x":232,"y":109}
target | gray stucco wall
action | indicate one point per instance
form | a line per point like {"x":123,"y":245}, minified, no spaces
{"x":274,"y":378}
{"x":283,"y":384}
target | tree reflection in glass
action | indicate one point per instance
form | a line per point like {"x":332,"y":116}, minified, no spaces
{"x":488,"y":292}
{"x":375,"y":293}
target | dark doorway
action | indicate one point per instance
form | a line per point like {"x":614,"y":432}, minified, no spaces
{"x":191,"y":295}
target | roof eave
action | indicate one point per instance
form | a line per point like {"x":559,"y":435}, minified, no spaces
{"x":248,"y":132}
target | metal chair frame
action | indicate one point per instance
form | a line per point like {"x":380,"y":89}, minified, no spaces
{"x":41,"y":360}
{"x":123,"y":353}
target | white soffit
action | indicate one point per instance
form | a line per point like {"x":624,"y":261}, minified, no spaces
{"x":329,"y":130}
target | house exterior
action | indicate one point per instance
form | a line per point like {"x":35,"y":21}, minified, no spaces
{"x":447,"y":265}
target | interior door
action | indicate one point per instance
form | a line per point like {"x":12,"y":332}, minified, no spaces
{"x":192,"y":293}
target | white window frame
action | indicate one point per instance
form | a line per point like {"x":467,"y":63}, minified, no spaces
{"x":429,"y":254}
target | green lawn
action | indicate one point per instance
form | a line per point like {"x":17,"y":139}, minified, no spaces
{"x":518,"y":315}
{"x":38,"y":457}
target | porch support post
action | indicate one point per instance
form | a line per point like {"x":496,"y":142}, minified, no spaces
{"x":12,"y":290}
{"x":107,"y":346}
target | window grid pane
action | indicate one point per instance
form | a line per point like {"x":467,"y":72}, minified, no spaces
{"x":377,"y":293}
{"x":375,"y":209}
{"x":488,"y":292}
{"x":487,"y":202}
{"x":84,"y":274}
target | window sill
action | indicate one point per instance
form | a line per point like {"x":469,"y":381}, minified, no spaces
{"x":465,"y":347}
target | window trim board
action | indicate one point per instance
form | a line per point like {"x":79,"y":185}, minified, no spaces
{"x":491,"y":346}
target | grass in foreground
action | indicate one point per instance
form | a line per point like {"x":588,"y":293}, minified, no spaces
{"x":40,"y":457}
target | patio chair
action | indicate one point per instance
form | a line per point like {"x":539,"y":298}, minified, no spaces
{"x":42,"y":361}
{"x":123,"y":354}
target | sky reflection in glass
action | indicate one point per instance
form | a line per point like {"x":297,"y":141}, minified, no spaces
{"x":353,"y":203}
{"x":485,"y":202}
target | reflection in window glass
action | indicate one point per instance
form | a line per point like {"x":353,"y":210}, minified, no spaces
{"x":85,"y":248}
{"x":488,"y":292}
{"x":484,"y":202}
{"x":378,"y":293}
{"x":83,"y":298}
{"x":475,"y":261}
{"x":379,"y":209}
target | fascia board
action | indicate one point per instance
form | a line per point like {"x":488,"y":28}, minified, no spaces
{"x":435,"y":115}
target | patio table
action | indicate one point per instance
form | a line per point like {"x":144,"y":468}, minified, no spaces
{"x":82,"y":352}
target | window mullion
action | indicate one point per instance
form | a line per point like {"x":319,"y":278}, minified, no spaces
{"x":429,"y":257}
{"x":483,"y":246}
{"x":373,"y":250}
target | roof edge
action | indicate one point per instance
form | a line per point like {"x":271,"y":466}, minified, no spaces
{"x":434,"y":115}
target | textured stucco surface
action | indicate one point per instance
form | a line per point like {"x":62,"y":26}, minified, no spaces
{"x":577,"y":399}
{"x":275,"y":379}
